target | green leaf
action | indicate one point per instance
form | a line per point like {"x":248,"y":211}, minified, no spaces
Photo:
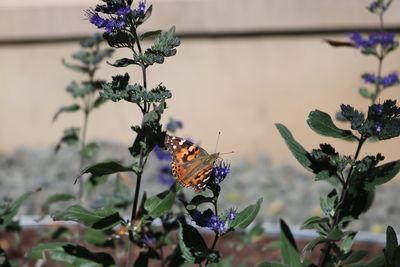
{"x":54,"y":199}
{"x":158,"y":205}
{"x":297,"y":150}
{"x":120,"y":198}
{"x":89,"y":150}
{"x":95,"y":237}
{"x":108,"y":167}
{"x":246,"y":216}
{"x":98,"y":219}
{"x":314,"y":242}
{"x":391,"y":246}
{"x":74,"y":255}
{"x":322,"y":124}
{"x":355,"y":256}
{"x":150,"y":34}
{"x":70,"y":108}
{"x":271,"y":264}
{"x":8,"y":211}
{"x":70,"y":137}
{"x":123,"y":62}
{"x":365,"y":93}
{"x":382,"y":174}
{"x":193,"y":247}
{"x":77,"y":68}
{"x":308,"y":224}
{"x":289,"y":253}
{"x":348,"y":242}
{"x":99,"y":102}
{"x":335,"y":235}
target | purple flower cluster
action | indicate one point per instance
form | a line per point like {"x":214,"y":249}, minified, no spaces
{"x":116,"y":15}
{"x":110,"y":24}
{"x":165,"y":176}
{"x":385,"y":39}
{"x":218,"y":224}
{"x":220,"y":171}
{"x":378,"y":108}
{"x":378,"y":127}
{"x":386,"y":81}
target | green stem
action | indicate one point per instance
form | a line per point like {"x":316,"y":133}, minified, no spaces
{"x":328,"y":246}
{"x":381,"y":56}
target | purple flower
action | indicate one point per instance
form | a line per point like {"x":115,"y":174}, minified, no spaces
{"x":114,"y":24}
{"x":162,"y":154}
{"x":378,"y":127}
{"x":378,"y":108}
{"x":141,"y":7}
{"x":220,"y":171}
{"x":369,"y":78}
{"x":390,"y":80}
{"x":165,"y":176}
{"x":231,"y":214}
{"x":95,"y":19}
{"x":385,"y":39}
{"x":216,"y":224}
{"x":123,"y":11}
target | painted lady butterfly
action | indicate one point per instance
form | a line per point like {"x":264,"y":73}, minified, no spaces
{"x":192,"y":165}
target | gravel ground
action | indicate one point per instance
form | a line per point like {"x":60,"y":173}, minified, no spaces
{"x":288,"y":192}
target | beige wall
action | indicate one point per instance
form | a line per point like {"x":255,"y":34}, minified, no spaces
{"x":239,"y":86}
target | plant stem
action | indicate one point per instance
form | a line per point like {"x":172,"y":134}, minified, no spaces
{"x":328,"y":246}
{"x":381,"y":56}
{"x":142,"y":162}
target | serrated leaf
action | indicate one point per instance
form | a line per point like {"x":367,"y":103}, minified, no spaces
{"x":297,"y":150}
{"x":70,"y":108}
{"x":158,"y":205}
{"x":98,"y":219}
{"x":246,"y":216}
{"x":321,"y":123}
{"x":382,"y":174}
{"x":289,"y":253}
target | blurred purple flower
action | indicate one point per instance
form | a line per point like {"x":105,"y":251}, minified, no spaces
{"x":232,"y":214}
{"x":123,"y":11}
{"x":141,"y":7}
{"x":95,"y":19}
{"x":174,"y":125}
{"x":385,"y":39}
{"x":378,"y":127}
{"x":162,"y":154}
{"x":378,"y":108}
{"x":165,"y":176}
{"x":390,"y":80}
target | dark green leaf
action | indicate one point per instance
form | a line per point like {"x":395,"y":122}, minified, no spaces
{"x":95,"y":237}
{"x":297,"y":150}
{"x":314,"y":242}
{"x":70,"y":137}
{"x":354,"y":116}
{"x":193,"y":247}
{"x":322,"y":124}
{"x":391,"y":247}
{"x":4,"y":262}
{"x":120,"y":39}
{"x":99,"y":101}
{"x":98,"y":219}
{"x":355,"y":256}
{"x":70,"y":108}
{"x":335,"y":43}
{"x":9,"y":210}
{"x":108,"y":167}
{"x":123,"y":62}
{"x":72,"y":255}
{"x":289,"y":253}
{"x":382,"y":174}
{"x":158,"y":205}
{"x":314,"y":220}
{"x":246,"y":216}
{"x":347,"y":242}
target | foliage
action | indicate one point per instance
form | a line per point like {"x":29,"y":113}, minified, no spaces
{"x":353,"y":179}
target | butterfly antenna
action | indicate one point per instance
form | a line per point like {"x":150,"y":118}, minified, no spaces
{"x":216,"y":145}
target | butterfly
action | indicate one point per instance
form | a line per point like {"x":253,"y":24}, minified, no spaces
{"x":192,"y":165}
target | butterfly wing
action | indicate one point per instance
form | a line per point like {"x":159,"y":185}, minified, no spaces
{"x":191,"y":164}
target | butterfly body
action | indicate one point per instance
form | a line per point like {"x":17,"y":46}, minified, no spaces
{"x":192,"y":165}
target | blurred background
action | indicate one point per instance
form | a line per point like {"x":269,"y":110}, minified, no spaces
{"x":242,"y":66}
